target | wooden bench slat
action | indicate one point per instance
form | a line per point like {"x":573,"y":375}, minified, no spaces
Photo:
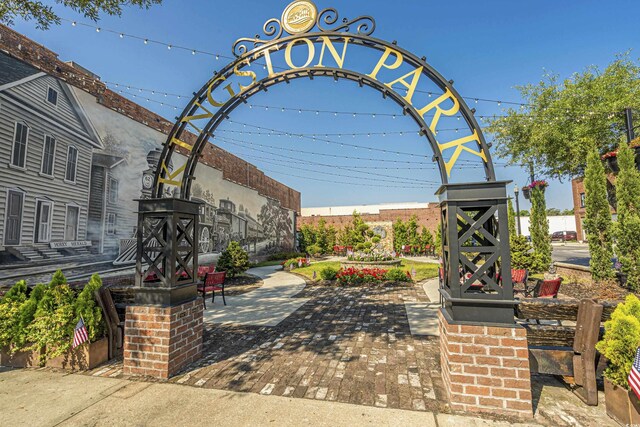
{"x":550,"y":335}
{"x":551,"y":361}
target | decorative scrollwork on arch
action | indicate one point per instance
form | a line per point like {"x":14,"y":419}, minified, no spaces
{"x":366,"y":25}
{"x":271,"y":29}
{"x":274,"y":29}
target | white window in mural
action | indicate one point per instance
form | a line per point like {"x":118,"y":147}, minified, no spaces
{"x":71,"y":223}
{"x":52,"y":96}
{"x":19,"y":150}
{"x":112,"y":221}
{"x":48,"y":155}
{"x":113,"y":190}
{"x":72,"y":164}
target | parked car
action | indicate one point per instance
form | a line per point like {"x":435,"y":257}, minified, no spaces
{"x":564,"y":236}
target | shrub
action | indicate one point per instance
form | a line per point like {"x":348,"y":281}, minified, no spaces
{"x":597,"y":220}
{"x":397,"y":275}
{"x":234,"y":260}
{"x":285,"y":255}
{"x":621,"y":339}
{"x":295,"y":263}
{"x":90,"y":312}
{"x":46,"y":320}
{"x":540,"y":226}
{"x":314,"y":250}
{"x":328,"y":273}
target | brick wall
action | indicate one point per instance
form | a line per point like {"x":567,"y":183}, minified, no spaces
{"x":234,"y":169}
{"x":160,"y":341}
{"x":486,"y":368}
{"x":429,"y":217}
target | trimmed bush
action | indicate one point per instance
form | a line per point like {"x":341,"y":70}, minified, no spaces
{"x":329,"y":273}
{"x":397,"y":275}
{"x":314,"y":250}
{"x":234,"y":260}
{"x":620,"y":341}
{"x":281,"y":256}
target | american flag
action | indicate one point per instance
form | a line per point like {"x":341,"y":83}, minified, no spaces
{"x":634,"y":375}
{"x":80,"y":334}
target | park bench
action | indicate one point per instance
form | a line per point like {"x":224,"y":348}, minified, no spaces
{"x":213,"y":281}
{"x":115,"y":327}
{"x":566,"y":349}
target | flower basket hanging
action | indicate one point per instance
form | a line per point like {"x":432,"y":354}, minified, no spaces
{"x":540,"y":184}
{"x":611,"y":159}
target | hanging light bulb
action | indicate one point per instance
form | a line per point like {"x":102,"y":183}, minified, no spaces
{"x":73,"y":23}
{"x":146,"y":41}
{"x":476,"y":100}
{"x":98,"y":30}
{"x":193,"y":52}
{"x":168,"y":47}
{"x":217,"y":57}
{"x":121,"y":35}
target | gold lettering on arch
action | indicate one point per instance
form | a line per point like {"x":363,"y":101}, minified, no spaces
{"x":439,"y":110}
{"x":310,"y":53}
{"x":459,"y":145}
{"x":326,"y":42}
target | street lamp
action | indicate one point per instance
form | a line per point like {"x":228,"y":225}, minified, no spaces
{"x":516,"y":191}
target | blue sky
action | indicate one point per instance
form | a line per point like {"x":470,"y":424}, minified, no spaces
{"x":486,"y":47}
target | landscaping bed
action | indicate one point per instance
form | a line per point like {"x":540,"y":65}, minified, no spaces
{"x":610,"y":291}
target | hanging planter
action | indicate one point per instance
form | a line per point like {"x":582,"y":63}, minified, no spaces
{"x":611,"y":158}
{"x":540,"y":184}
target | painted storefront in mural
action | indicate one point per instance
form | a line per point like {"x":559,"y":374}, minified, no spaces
{"x":229,"y":211}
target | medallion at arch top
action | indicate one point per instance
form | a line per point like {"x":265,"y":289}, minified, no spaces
{"x":299,"y":17}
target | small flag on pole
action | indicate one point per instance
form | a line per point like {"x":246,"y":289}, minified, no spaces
{"x":634,"y":375}
{"x":80,"y":334}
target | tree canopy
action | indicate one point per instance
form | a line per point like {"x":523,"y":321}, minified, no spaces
{"x":562,"y":120}
{"x":44,"y":15}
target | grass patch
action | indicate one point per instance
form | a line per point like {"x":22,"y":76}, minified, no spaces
{"x":424,"y":270}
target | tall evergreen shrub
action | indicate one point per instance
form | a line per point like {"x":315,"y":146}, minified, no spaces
{"x":597,"y":220}
{"x":627,"y":228}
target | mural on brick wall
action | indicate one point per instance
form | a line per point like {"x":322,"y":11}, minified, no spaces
{"x":125,"y":169}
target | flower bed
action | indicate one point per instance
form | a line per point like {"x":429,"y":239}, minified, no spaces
{"x":371,"y":264}
{"x":357,"y":276}
{"x":294,"y":263}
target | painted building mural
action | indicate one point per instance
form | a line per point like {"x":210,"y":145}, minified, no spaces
{"x":73,"y":170}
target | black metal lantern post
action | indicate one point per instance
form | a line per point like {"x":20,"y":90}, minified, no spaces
{"x":516,"y":191}
{"x":477,"y":284}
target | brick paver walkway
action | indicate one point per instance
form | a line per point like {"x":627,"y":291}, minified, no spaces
{"x":345,"y":344}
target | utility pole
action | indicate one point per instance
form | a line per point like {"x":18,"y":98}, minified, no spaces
{"x":628,"y":121}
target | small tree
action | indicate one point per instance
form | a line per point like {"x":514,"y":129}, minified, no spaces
{"x":627,"y":228}
{"x":438,"y":243}
{"x":426,"y":238}
{"x":539,"y":226}
{"x":413,"y":238}
{"x":307,"y":237}
{"x":597,"y":220}
{"x":512,"y":220}
{"x":399,"y":235}
{"x":234,"y":260}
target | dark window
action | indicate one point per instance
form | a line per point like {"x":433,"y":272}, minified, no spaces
{"x":48,"y":155}
{"x":20,"y":145}
{"x":72,"y":164}
{"x":52,"y":96}
{"x":111,"y":223}
{"x":582,"y":199}
{"x":113,"y":190}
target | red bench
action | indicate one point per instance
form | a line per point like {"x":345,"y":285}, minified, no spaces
{"x":212,"y":282}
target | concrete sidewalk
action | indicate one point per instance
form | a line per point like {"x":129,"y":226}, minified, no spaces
{"x":268,"y":305}
{"x":40,"y":398}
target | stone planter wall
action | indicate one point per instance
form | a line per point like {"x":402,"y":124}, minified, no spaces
{"x":371,"y":264}
{"x":83,"y":357}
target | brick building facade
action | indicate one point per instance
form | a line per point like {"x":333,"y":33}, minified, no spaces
{"x":578,"y":194}
{"x":427,"y":217}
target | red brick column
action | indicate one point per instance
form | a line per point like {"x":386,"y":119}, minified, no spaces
{"x":159,"y":341}
{"x":486,"y":368}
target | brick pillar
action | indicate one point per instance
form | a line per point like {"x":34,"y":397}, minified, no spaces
{"x":160,"y":341}
{"x":485,"y":368}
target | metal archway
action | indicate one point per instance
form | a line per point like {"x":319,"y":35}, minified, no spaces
{"x":470,"y":212}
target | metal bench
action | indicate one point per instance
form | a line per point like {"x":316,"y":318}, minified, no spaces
{"x":212,"y":282}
